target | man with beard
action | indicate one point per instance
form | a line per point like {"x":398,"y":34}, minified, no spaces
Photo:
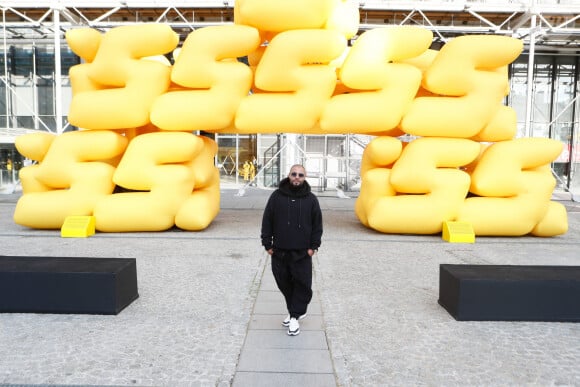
{"x":291,"y":234}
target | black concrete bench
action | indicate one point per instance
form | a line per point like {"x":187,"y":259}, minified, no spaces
{"x":67,"y":285}
{"x":510,"y":293}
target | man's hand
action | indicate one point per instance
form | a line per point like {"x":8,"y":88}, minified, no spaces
{"x":311,"y":252}
{"x":271,"y":251}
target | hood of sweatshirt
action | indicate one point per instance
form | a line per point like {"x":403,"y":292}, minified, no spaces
{"x":295,"y":192}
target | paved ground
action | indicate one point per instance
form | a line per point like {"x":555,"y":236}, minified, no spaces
{"x":198,"y":310}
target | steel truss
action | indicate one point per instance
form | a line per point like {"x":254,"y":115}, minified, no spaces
{"x":554,"y":25}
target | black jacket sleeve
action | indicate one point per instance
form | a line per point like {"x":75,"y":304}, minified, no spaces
{"x":316,"y":235}
{"x":267,"y":231}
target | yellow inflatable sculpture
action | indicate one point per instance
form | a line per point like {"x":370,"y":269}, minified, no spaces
{"x":136,"y":164}
{"x":295,"y":75}
{"x":163,"y":169}
{"x":274,"y":16}
{"x":113,"y":96}
{"x":468,"y":81}
{"x":381,"y":87}
{"x":424,"y":188}
{"x":514,"y":185}
{"x":72,"y":176}
{"x":296,"y":88}
{"x":209,"y":81}
{"x":117,"y":87}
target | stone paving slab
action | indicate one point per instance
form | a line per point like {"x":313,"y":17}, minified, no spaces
{"x":260,"y":379}
{"x":275,"y":339}
{"x":285,"y":360}
{"x":311,"y":322}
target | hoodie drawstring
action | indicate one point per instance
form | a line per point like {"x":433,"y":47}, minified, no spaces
{"x":299,"y":210}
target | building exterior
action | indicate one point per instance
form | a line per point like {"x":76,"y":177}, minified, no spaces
{"x":35,"y":90}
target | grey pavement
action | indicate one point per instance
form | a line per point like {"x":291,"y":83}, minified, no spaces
{"x":209,"y":314}
{"x":270,"y":357}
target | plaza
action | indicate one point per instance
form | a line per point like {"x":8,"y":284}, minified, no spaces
{"x":208,"y":313}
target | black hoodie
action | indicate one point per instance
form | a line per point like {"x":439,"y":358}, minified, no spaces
{"x":292,"y":219}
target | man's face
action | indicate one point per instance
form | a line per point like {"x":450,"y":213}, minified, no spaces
{"x":297,"y":176}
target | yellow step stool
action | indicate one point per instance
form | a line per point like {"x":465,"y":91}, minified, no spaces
{"x":77,"y":226}
{"x":458,"y":232}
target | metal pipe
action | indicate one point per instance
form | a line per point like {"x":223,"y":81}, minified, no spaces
{"x":57,"y":73}
{"x":34,"y":87}
{"x":530,"y":81}
{"x":6,"y":88}
{"x":237,"y":162}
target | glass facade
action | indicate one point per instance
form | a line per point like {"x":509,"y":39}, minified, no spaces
{"x":237,"y":157}
{"x":554,"y":110}
{"x":27,"y":99}
{"x":10,"y":163}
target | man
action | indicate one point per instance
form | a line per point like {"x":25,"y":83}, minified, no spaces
{"x":291,"y":233}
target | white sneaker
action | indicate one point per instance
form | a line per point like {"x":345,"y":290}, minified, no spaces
{"x":293,"y":327}
{"x":286,"y":321}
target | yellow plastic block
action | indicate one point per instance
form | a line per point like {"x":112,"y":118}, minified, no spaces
{"x":458,"y":232}
{"x":78,"y":227}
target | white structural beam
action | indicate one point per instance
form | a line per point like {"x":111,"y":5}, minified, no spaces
{"x":57,"y":74}
{"x":118,"y":3}
{"x":5,"y":70}
{"x":530,"y":81}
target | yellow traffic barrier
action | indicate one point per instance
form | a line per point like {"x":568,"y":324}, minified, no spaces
{"x":78,"y":227}
{"x":458,"y":232}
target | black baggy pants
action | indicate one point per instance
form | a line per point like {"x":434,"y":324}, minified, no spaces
{"x":292,"y":271}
